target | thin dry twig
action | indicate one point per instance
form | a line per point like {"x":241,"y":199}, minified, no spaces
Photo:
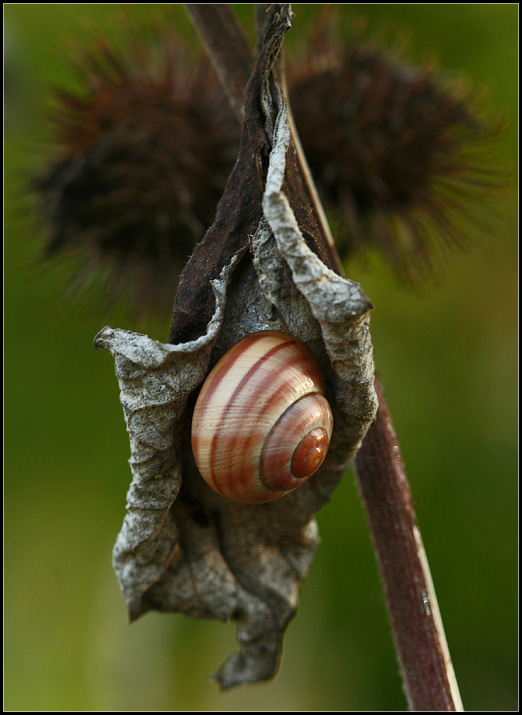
{"x":429,"y":679}
{"x":227,"y":48}
{"x":420,"y":642}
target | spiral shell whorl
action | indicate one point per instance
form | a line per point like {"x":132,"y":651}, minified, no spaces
{"x":261,"y":424}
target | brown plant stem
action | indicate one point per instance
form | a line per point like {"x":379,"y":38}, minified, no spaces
{"x":429,"y":680}
{"x":420,"y":642}
{"x":227,"y":48}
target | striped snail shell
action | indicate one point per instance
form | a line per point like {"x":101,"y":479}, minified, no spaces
{"x":261,"y":425}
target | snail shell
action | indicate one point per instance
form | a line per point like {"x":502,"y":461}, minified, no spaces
{"x":261,"y":425}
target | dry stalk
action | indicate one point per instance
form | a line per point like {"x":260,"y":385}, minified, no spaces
{"x":422,"y":651}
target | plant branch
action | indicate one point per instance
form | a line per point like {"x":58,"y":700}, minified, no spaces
{"x":227,"y":48}
{"x":429,"y":680}
{"x":412,"y":605}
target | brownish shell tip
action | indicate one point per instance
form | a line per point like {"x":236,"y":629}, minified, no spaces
{"x":310,"y":453}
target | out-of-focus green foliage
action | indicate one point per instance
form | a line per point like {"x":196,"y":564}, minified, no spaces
{"x":448,"y":360}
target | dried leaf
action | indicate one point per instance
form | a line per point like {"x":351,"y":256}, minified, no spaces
{"x":184,"y":547}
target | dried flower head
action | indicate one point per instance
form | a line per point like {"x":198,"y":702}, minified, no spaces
{"x":143,"y":149}
{"x":400,"y":160}
{"x":142,"y":153}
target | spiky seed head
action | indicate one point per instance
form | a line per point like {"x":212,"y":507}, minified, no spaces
{"x":143,"y":148}
{"x":142,"y":151}
{"x":399,"y":158}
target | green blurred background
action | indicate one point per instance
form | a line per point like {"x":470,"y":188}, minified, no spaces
{"x":447,"y":358}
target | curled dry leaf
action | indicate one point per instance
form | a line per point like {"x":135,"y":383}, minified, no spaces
{"x":261,"y":266}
